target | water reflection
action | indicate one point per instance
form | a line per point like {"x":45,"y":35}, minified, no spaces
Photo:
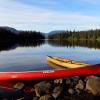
{"x":85,"y":43}
{"x":56,"y":43}
{"x":13,"y":45}
{"x":32,"y":56}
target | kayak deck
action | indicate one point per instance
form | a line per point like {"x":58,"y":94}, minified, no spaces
{"x":68,"y":63}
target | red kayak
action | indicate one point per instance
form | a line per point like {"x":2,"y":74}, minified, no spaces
{"x":93,"y":69}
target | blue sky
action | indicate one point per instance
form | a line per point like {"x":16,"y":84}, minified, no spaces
{"x":49,"y":15}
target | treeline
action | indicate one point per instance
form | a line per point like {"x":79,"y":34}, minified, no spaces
{"x":76,"y":35}
{"x":20,"y":36}
{"x":30,"y":38}
{"x":7,"y":35}
{"x":11,"y":39}
{"x":30,"y":35}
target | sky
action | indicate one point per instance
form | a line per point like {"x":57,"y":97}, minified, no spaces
{"x":50,"y":15}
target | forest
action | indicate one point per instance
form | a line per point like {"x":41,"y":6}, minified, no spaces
{"x":90,"y":38}
{"x":9,"y":39}
{"x":20,"y":36}
{"x":76,"y":35}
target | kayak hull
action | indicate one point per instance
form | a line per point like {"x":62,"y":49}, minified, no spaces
{"x":67,"y":63}
{"x":93,"y":69}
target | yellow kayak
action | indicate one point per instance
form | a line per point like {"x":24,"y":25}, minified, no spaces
{"x":55,"y":66}
{"x":67,"y":63}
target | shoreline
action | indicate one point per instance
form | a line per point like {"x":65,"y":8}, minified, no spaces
{"x":68,"y":88}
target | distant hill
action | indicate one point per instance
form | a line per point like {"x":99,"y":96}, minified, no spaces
{"x":57,"y":31}
{"x":12,"y":30}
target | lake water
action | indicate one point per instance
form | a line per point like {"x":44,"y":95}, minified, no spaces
{"x":23,"y":58}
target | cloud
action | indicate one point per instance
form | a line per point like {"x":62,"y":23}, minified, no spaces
{"x":22,"y":16}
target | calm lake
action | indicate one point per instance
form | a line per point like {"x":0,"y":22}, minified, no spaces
{"x":33,"y":57}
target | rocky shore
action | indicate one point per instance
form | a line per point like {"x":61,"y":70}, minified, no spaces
{"x":68,"y":88}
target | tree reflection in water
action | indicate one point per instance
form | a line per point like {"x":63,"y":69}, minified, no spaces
{"x":72,"y":43}
{"x":13,"y":45}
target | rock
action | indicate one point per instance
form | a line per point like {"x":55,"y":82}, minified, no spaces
{"x":46,"y":97}
{"x":68,"y":81}
{"x":70,"y":91}
{"x":57,"y":91}
{"x":80,"y":85}
{"x":93,"y":85}
{"x":58,"y":81}
{"x":19,"y":85}
{"x":78,"y":91}
{"x":76,"y":79}
{"x":42,"y":87}
{"x":20,"y":98}
{"x":35,"y":98}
